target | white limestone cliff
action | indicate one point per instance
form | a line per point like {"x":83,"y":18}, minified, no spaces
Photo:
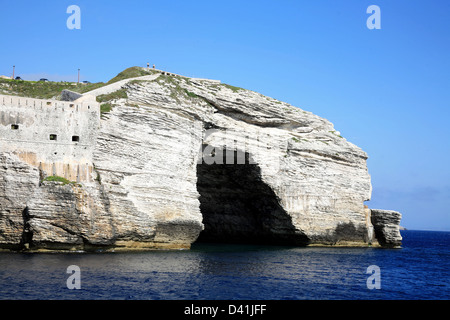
{"x":158,"y":181}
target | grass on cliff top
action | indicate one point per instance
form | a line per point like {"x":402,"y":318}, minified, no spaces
{"x":175,"y":88}
{"x":119,"y":94}
{"x":232,"y":88}
{"x":50,"y":89}
{"x":43,"y":90}
{"x":132,"y":72}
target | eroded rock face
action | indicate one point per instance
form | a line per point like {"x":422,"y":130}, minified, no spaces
{"x":184,"y":159}
{"x":17,"y":182}
{"x":49,"y":215}
{"x":310,"y":184}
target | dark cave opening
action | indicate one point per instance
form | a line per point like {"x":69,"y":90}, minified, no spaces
{"x":238,"y":207}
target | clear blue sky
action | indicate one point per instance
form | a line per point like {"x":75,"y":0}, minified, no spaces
{"x":387,"y":90}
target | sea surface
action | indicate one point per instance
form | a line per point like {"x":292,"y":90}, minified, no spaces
{"x":420,"y":270}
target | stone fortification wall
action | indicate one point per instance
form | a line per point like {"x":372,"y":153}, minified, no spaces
{"x":57,"y":137}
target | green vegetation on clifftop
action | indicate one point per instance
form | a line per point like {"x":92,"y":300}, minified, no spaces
{"x":132,"y":72}
{"x":41,"y":89}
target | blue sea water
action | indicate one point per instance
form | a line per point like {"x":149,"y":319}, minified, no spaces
{"x":420,"y":270}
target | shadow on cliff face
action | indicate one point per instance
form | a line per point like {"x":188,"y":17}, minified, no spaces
{"x":238,"y":207}
{"x":349,"y":232}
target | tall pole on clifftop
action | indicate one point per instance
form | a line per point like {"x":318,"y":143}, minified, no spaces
{"x":78,"y":76}
{"x":14,"y":67}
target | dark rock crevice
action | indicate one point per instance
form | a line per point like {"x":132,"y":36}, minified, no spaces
{"x":27,"y":233}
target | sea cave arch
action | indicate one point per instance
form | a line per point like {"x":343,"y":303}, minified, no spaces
{"x":238,"y":207}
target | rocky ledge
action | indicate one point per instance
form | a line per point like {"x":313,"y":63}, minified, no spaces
{"x":179,"y":160}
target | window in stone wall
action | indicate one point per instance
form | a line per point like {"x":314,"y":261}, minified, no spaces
{"x":53,"y":137}
{"x":15,"y":127}
{"x":75,"y":138}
